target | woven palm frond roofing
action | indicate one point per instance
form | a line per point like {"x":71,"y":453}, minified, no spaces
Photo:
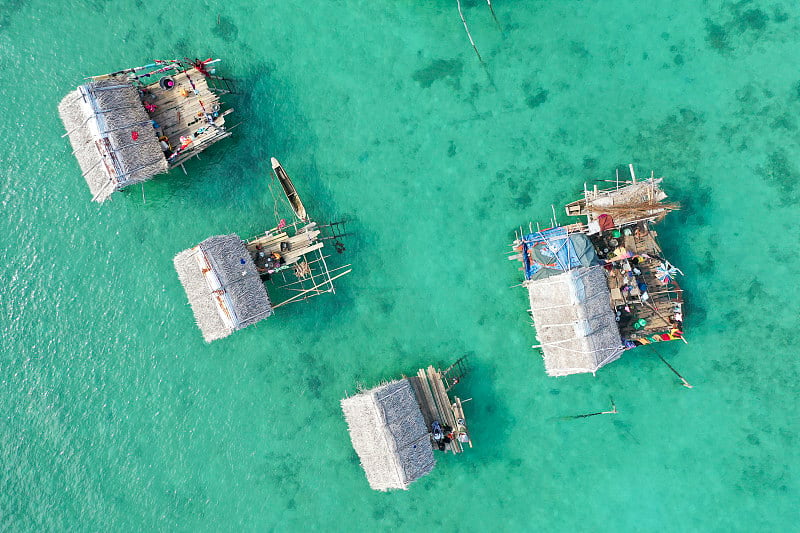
{"x":389,"y":435}
{"x":111,"y":135}
{"x":575,"y":323}
{"x":239,"y":283}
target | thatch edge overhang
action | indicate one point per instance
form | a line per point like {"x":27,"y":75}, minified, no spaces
{"x":231,"y":262}
{"x":201,"y":299}
{"x":389,"y":435}
{"x":238,"y":286}
{"x":103,"y":115}
{"x":575,"y":323}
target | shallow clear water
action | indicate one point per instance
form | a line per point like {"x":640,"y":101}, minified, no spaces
{"x":117,"y":417}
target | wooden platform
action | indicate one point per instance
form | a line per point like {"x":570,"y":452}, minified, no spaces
{"x":435,"y":405}
{"x":185,"y":116}
{"x":657,"y":310}
{"x":300,"y":244}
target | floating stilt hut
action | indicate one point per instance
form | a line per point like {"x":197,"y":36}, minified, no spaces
{"x":600,"y":287}
{"x":225,"y":277}
{"x":128,"y":126}
{"x":396,"y":427}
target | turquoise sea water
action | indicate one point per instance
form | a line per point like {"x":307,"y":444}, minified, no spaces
{"x":116,"y":416}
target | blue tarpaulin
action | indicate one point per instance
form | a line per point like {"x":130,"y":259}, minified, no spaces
{"x":553,"y":251}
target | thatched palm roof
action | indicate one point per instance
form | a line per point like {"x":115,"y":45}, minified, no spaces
{"x":223,"y":286}
{"x":101,"y":118}
{"x":389,"y":435}
{"x":575,"y":323}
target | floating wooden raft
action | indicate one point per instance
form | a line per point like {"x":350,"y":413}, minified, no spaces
{"x":182,"y":116}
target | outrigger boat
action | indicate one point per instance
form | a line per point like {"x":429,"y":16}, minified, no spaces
{"x":224,"y":276}
{"x":288,"y":188}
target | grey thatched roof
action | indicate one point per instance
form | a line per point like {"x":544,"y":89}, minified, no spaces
{"x":100,"y":118}
{"x":389,"y":435}
{"x":237,"y":286}
{"x":575,"y":323}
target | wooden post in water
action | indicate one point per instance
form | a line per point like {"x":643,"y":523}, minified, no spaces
{"x":683,"y":380}
{"x":613,"y":411}
{"x":472,"y":42}
{"x":499,"y":27}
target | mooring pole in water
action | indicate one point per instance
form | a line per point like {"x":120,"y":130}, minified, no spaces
{"x":499,"y":27}
{"x":613,"y":411}
{"x":683,"y":380}
{"x":472,"y":42}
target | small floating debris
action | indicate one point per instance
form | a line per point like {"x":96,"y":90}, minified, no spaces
{"x":225,"y":277}
{"x":603,"y":287}
{"x":127,"y":126}
{"x":396,"y":427}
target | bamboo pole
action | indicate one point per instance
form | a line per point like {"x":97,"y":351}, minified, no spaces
{"x":683,"y":380}
{"x":472,"y":42}
{"x":613,"y":411}
{"x":313,"y":289}
{"x":499,"y":27}
{"x":664,"y":291}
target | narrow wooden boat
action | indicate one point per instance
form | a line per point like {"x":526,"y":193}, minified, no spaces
{"x":288,"y":188}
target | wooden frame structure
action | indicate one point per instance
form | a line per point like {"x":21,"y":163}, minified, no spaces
{"x":222,"y":276}
{"x":127,"y":126}
{"x":614,"y":257}
{"x":305,"y":273}
{"x":395,"y":427}
{"x":431,"y":387}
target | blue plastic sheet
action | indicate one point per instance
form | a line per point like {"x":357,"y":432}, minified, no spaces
{"x":552,"y":251}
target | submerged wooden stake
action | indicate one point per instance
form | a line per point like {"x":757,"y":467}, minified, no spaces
{"x":683,"y":380}
{"x":613,"y":411}
{"x":472,"y":42}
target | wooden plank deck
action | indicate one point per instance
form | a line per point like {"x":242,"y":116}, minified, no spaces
{"x":183,"y":116}
{"x":267,"y":242}
{"x":300,"y":244}
{"x":657,"y":310}
{"x":435,"y":404}
{"x":424,"y":397}
{"x":446,"y":413}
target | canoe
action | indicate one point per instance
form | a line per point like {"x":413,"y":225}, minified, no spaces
{"x":288,"y":188}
